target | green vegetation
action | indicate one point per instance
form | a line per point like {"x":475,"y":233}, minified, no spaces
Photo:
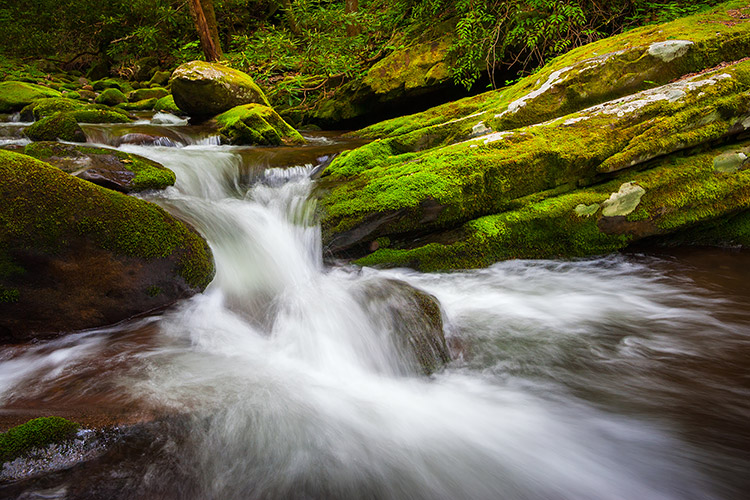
{"x":113,"y":221}
{"x":36,"y":433}
{"x":256,"y":124}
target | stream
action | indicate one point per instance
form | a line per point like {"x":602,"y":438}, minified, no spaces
{"x":619,"y":377}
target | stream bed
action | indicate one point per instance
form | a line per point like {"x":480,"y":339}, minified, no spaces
{"x":618,"y":377}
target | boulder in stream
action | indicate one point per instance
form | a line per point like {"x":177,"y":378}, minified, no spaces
{"x":414,"y":318}
{"x":110,"y":168}
{"x":252,"y":124}
{"x":203,"y":89}
{"x":74,"y":255}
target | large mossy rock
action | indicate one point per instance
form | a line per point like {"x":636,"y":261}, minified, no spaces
{"x":491,"y":177}
{"x":15,"y":95}
{"x":406,"y":79}
{"x":252,"y":124}
{"x":110,"y":168}
{"x":203,"y":89}
{"x":111,"y":97}
{"x":59,"y":126}
{"x":84,"y":112}
{"x":167,"y":105}
{"x":74,"y":255}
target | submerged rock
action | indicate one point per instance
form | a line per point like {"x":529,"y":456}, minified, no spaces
{"x":414,"y":319}
{"x":203,"y":89}
{"x":74,"y":255}
{"x":251,"y":124}
{"x":124,"y":172}
{"x":15,"y":95}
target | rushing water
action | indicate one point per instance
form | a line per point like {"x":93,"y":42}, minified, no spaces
{"x":623,"y":377}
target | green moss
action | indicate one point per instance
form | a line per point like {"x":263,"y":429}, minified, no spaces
{"x":15,"y":95}
{"x":683,"y":195}
{"x":153,"y":291}
{"x":111,"y":97}
{"x":72,"y":95}
{"x":9,"y":295}
{"x":112,"y":83}
{"x":36,"y":433}
{"x":112,"y":221}
{"x":150,"y":93}
{"x":167,"y":104}
{"x":486,"y":175}
{"x":82,"y":112}
{"x":148,"y":173}
{"x":206,"y":89}
{"x":420,"y":65}
{"x":143,"y":105}
{"x":256,"y":124}
{"x":59,"y":126}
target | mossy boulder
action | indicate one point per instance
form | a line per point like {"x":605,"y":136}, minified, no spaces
{"x":112,"y":83}
{"x":142,"y":105}
{"x":252,"y":124}
{"x":160,"y":78}
{"x":15,"y":95}
{"x":59,"y":126}
{"x":149,"y":93}
{"x":203,"y":89}
{"x":83,"y":112}
{"x":168,"y":105}
{"x":110,"y":168}
{"x":74,"y":255}
{"x":36,"y":433}
{"x":389,"y":189}
{"x":415,"y":68}
{"x":111,"y":97}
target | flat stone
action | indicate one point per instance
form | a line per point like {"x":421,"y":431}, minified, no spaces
{"x":669,"y":50}
{"x":586,"y":210}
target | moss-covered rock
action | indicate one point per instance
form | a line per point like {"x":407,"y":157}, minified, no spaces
{"x":203,"y":89}
{"x":83,"y":112}
{"x":148,"y":93}
{"x":256,"y":124}
{"x":110,"y":168}
{"x":637,"y":60}
{"x":167,"y":104}
{"x":160,"y":78}
{"x":112,"y":83}
{"x":59,"y":126}
{"x":419,"y":66}
{"x":142,"y":105}
{"x":81,"y":256}
{"x":15,"y":95}
{"x":385,"y":189}
{"x":36,"y":433}
{"x":111,"y":97}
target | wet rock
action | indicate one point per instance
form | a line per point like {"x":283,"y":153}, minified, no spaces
{"x":414,"y":319}
{"x":74,"y":255}
{"x":124,"y":172}
{"x":203,"y":89}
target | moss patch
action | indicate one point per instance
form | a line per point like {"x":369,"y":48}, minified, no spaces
{"x":59,"y":126}
{"x":167,"y":104}
{"x":36,"y":433}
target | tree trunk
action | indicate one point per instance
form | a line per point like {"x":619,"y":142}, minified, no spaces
{"x":205,"y":25}
{"x":351,"y":7}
